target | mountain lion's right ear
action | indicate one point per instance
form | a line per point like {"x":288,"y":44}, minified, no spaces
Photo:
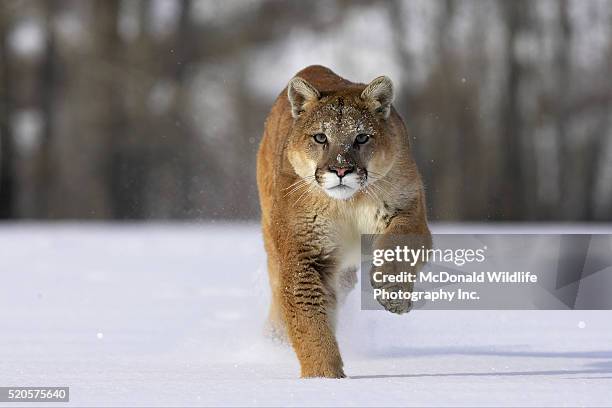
{"x":300,"y":94}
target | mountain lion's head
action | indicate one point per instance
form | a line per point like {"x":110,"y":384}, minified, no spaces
{"x":341,"y":140}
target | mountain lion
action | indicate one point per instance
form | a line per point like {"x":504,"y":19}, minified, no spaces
{"x":334,"y":162}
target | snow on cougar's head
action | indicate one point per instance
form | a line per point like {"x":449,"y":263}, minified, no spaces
{"x":341,"y":141}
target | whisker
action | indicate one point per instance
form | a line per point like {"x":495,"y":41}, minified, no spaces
{"x":381,"y":185}
{"x":380,"y":175}
{"x":299,"y":184}
{"x":299,"y":181}
{"x":293,"y":190}
{"x":297,"y":188}
{"x":304,"y":194}
{"x":376,"y":195}
{"x":370,"y":194}
{"x":379,"y":190}
{"x":382,"y":179}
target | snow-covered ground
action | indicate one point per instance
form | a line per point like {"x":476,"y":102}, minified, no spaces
{"x":171,"y":314}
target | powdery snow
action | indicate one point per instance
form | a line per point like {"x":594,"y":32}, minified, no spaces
{"x":172,"y":314}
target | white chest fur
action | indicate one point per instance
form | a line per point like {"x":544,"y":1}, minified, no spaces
{"x":360,"y":219}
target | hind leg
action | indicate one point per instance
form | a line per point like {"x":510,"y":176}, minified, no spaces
{"x":345,"y":282}
{"x":276,"y":328}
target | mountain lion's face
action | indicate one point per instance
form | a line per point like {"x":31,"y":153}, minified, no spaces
{"x":340,"y":142}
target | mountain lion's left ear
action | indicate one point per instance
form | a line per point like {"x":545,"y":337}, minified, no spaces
{"x":378,"y":96}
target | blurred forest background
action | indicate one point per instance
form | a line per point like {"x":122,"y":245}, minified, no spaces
{"x":135,"y":109}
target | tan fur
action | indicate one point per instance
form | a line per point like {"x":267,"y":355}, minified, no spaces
{"x":309,"y":236}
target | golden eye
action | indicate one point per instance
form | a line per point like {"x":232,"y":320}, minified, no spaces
{"x":320,"y":138}
{"x":362,"y":138}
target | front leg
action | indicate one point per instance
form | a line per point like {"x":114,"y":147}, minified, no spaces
{"x":412,"y":227}
{"x":308,"y":304}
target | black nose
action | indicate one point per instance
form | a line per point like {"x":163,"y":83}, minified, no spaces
{"x":341,"y":171}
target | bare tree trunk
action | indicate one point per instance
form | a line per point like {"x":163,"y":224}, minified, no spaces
{"x":406,"y":98}
{"x":184,"y":56}
{"x":599,"y":207}
{"x":133,"y":147}
{"x":6,"y":143}
{"x":510,"y":200}
{"x":90,"y":107}
{"x":563,"y":63}
{"x":48,"y":76}
{"x":109,"y":107}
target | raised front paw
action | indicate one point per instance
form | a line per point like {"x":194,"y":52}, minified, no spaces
{"x":392,"y":288}
{"x":395,"y":304}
